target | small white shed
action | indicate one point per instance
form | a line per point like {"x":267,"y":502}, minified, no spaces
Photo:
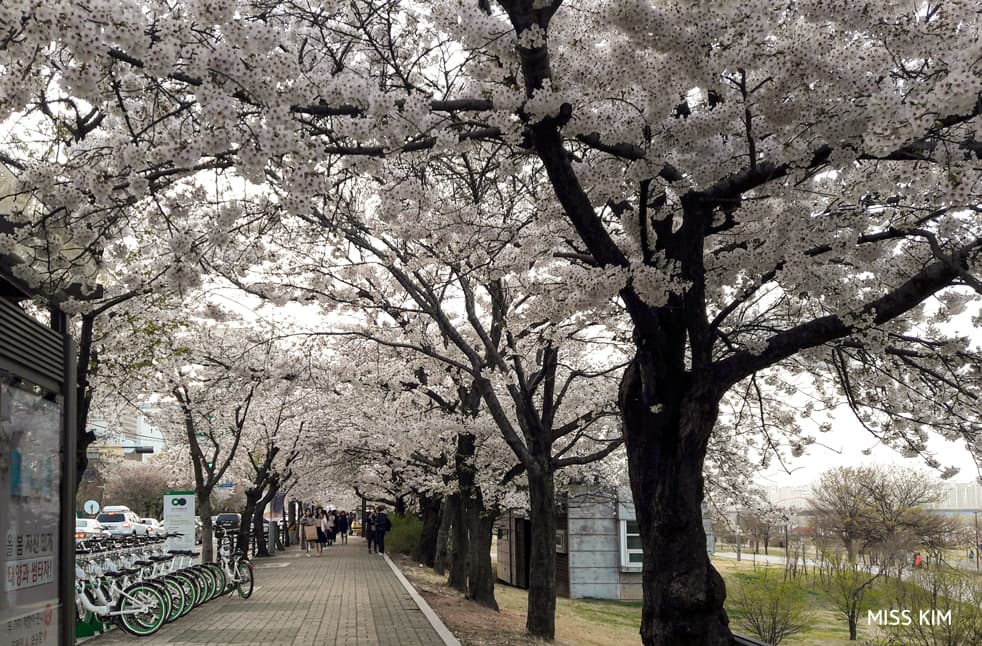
{"x":598,"y":548}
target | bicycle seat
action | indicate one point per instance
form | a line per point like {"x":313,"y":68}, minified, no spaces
{"x":160,"y":558}
{"x":123,"y":571}
{"x":143,"y":563}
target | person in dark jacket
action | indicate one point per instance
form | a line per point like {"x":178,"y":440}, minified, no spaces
{"x":382,"y":525}
{"x":341,"y":527}
{"x":369,"y":524}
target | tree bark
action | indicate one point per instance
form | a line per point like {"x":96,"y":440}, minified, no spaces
{"x":541,"y":620}
{"x":83,"y":398}
{"x":262,"y":542}
{"x":480,"y":574}
{"x":426,"y":548}
{"x":248,"y":512}
{"x":666,"y":446}
{"x":459,"y":547}
{"x":207,"y":529}
{"x":442,"y":556}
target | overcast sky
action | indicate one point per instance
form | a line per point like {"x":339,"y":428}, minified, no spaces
{"x":846,"y":443}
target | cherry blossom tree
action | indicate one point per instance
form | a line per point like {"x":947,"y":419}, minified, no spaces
{"x":766,"y":190}
{"x":215,"y":379}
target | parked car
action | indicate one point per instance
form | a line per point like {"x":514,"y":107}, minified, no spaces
{"x":120,"y":521}
{"x":228,"y":521}
{"x":88,"y":528}
{"x":156,"y":527}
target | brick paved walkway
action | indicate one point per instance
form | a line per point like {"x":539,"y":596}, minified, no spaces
{"x":347,"y":597}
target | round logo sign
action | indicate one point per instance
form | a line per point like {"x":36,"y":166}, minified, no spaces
{"x":91,"y":507}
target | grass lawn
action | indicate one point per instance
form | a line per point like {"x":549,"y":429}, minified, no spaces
{"x":587,"y":622}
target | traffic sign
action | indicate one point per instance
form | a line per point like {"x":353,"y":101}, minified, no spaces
{"x":91,"y":507}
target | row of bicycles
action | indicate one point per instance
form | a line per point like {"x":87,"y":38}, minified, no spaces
{"x":137,"y":584}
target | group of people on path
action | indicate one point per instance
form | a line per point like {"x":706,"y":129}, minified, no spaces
{"x":321,"y":527}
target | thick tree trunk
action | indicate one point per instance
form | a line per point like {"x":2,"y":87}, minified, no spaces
{"x":480,"y":574}
{"x":425,"y":551}
{"x":541,"y":620}
{"x":260,"y":546}
{"x":666,"y":446}
{"x":261,"y":538}
{"x":252,"y":499}
{"x":459,"y":547}
{"x":442,"y":556}
{"x":83,"y":398}
{"x":203,"y":504}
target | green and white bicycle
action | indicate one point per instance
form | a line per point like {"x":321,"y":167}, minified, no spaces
{"x":236,"y":568}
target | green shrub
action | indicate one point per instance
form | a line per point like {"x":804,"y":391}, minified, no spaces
{"x":404,"y":534}
{"x":769,"y":608}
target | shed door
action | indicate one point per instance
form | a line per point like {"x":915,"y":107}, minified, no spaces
{"x":523,"y":551}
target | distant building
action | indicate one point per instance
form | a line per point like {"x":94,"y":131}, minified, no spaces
{"x":129,"y":435}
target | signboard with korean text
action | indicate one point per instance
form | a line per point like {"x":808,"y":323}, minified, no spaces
{"x":179,"y":518}
{"x":30,"y":508}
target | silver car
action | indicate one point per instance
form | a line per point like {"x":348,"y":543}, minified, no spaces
{"x":123,"y":523}
{"x":89,"y":528}
{"x":156,"y":527}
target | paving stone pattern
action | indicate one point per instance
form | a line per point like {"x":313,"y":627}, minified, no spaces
{"x":346,"y":597}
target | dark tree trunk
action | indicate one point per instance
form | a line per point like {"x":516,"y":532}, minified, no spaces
{"x":426,"y":548}
{"x":203,"y":504}
{"x":480,"y":574}
{"x":459,"y":547}
{"x":666,"y":446}
{"x":541,"y":621}
{"x":399,"y":507}
{"x":262,"y":543}
{"x":442,"y":556}
{"x":83,"y":397}
{"x":252,"y":500}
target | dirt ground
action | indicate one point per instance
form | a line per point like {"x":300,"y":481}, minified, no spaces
{"x":474,"y":625}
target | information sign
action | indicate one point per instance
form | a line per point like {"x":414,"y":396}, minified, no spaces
{"x":179,"y":518}
{"x":30,"y":437}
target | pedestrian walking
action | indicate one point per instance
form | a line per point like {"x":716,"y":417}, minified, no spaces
{"x":341,"y":527}
{"x":382,"y":525}
{"x":308,"y":532}
{"x":369,"y":524}
{"x":321,"y":526}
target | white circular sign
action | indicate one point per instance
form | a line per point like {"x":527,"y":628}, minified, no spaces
{"x":91,"y":507}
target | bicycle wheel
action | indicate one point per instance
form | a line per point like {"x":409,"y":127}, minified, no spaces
{"x":245,"y":582}
{"x":204,"y":584}
{"x":161,"y":587}
{"x":221,"y":581}
{"x":192,"y":592}
{"x":141,"y":609}
{"x":177,"y":597}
